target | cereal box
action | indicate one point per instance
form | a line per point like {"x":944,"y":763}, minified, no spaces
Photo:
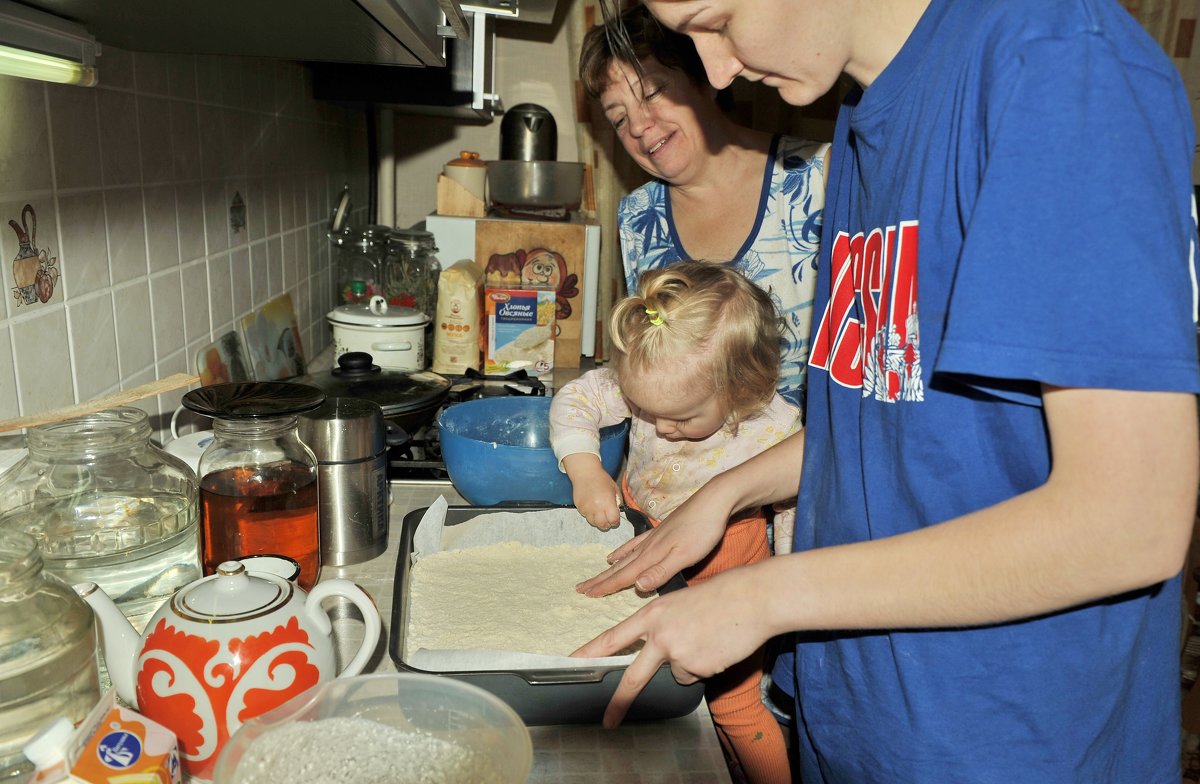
{"x":520,"y":331}
{"x":116,"y":745}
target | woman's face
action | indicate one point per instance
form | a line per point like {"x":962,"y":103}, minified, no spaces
{"x":796,"y":46}
{"x":659,"y":119}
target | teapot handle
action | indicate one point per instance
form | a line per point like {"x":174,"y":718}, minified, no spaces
{"x":370,"y":613}
{"x":32,"y":230}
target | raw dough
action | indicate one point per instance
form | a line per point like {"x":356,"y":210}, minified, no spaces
{"x":512,"y":597}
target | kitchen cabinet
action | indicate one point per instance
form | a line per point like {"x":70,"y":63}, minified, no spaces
{"x":385,"y":32}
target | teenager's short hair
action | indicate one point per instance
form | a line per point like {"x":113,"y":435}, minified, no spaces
{"x":707,"y":310}
{"x":638,"y":35}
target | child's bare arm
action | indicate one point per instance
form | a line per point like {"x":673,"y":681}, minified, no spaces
{"x":595,"y":493}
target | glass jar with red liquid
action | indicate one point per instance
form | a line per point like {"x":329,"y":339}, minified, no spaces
{"x":258,"y":481}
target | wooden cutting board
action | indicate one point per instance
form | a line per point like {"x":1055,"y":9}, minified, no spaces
{"x":539,"y":254}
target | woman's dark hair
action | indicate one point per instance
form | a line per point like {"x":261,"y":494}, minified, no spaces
{"x":638,"y":35}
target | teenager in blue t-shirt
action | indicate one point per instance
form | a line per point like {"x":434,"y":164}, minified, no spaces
{"x":1000,"y":462}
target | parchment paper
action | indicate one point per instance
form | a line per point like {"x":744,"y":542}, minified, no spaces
{"x":541,"y":528}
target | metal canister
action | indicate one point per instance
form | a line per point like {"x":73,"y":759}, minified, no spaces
{"x":348,"y":436}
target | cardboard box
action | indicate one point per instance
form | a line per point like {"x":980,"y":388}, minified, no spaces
{"x":540,"y":254}
{"x":116,"y":745}
{"x":577,"y":241}
{"x":520,"y":331}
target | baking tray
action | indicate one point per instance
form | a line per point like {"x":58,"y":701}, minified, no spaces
{"x":575,"y":695}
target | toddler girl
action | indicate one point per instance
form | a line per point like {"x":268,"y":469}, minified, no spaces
{"x":697,"y":357}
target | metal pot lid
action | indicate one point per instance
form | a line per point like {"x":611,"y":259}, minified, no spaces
{"x":395,"y":391}
{"x":377,"y":314}
{"x":253,"y":399}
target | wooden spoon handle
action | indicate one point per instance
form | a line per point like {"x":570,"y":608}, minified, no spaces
{"x":101,"y":403}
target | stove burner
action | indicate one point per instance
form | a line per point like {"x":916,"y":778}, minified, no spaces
{"x":419,"y":460}
{"x":477,"y":384}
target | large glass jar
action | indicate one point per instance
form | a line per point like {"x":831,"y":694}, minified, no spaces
{"x":48,"y":665}
{"x":258,"y":481}
{"x":106,"y":505}
{"x":411,"y":269}
{"x":360,"y":258}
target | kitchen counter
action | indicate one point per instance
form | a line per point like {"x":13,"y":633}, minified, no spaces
{"x":677,"y":751}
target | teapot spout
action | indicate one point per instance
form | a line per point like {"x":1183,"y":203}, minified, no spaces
{"x":118,"y":637}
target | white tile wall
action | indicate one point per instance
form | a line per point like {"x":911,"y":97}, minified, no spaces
{"x":132,"y":183}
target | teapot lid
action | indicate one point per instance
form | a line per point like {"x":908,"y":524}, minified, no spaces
{"x":232,"y":594}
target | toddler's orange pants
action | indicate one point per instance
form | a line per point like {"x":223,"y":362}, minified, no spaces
{"x":748,"y":731}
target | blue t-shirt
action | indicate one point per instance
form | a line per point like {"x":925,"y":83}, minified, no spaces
{"x":779,"y":254}
{"x":1041,"y":150}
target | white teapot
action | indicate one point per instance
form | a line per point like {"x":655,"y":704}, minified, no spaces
{"x":224,"y":649}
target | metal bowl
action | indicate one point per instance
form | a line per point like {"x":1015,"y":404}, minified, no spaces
{"x":535,"y":184}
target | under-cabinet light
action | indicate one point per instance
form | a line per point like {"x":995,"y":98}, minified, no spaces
{"x":37,"y":45}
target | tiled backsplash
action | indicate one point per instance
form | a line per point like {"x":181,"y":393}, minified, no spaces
{"x":178,"y":196}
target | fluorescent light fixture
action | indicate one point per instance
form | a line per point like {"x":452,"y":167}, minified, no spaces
{"x":37,"y":45}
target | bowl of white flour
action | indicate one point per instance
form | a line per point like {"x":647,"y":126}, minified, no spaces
{"x":372,"y":729}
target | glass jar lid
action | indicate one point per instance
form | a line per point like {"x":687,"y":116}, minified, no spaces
{"x":371,"y":240}
{"x":346,"y":238}
{"x":413,"y":239}
{"x":253,"y":399}
{"x":341,"y":212}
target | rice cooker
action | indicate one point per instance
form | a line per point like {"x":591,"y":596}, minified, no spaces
{"x":393,"y":336}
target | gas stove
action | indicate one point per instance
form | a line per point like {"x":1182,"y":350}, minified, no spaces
{"x":418,"y":462}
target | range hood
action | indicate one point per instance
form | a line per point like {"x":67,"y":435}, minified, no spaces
{"x":464,"y":89}
{"x":414,"y":56}
{"x":531,"y":11}
{"x":393,"y":32}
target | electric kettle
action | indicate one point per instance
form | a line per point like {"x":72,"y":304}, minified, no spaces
{"x":528,"y":133}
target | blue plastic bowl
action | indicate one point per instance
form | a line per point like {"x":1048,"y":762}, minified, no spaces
{"x":497,"y":451}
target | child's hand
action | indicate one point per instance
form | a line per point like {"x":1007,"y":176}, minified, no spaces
{"x":598,"y":504}
{"x":595,"y":493}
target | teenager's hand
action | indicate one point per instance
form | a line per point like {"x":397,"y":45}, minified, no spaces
{"x":690,"y":533}
{"x":679,"y":628}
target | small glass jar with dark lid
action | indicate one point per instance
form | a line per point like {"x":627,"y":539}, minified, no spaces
{"x":258,"y":480}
